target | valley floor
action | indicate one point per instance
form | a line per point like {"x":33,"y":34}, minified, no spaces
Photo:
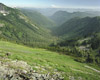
{"x":43,"y":62}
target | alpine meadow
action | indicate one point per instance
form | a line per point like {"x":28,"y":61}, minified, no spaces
{"x":49,"y":40}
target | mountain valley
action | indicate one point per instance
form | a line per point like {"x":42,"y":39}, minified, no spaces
{"x":62,"y":46}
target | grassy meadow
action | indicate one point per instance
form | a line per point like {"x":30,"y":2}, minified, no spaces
{"x":44,"y":61}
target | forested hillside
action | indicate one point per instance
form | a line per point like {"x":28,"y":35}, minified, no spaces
{"x":61,"y":17}
{"x":79,"y":37}
{"x":16,"y":27}
{"x":38,"y":18}
{"x":78,"y":27}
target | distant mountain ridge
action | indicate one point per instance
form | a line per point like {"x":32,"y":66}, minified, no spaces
{"x":50,"y":11}
{"x":38,"y":18}
{"x":61,"y":17}
{"x":79,"y":27}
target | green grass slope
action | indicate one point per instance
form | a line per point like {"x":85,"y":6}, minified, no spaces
{"x":44,"y":61}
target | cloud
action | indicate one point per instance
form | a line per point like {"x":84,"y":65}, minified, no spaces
{"x":55,"y":6}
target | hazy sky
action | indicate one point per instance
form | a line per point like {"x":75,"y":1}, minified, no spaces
{"x":53,"y":3}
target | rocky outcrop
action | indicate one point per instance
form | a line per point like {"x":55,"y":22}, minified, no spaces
{"x":20,"y":70}
{"x":2,"y":10}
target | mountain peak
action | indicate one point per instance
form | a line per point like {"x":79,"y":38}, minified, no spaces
{"x":2,"y":6}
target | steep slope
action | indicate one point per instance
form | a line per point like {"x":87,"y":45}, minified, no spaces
{"x":62,"y":16}
{"x":17,"y":27}
{"x":46,"y":62}
{"x":38,"y":18}
{"x":79,"y":27}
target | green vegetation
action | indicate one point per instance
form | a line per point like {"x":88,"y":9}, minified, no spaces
{"x":85,"y":49}
{"x":19,"y":28}
{"x":80,"y":38}
{"x":61,"y":17}
{"x":38,"y":18}
{"x":79,"y":27}
{"x":76,"y":43}
{"x":50,"y":60}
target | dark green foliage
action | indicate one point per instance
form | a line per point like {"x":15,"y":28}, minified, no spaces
{"x":95,"y":42}
{"x":71,"y":42}
{"x":79,"y":27}
{"x":78,"y":49}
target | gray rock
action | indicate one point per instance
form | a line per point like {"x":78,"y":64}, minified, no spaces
{"x":20,"y":70}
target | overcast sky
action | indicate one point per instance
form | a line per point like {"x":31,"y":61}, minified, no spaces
{"x":53,"y":3}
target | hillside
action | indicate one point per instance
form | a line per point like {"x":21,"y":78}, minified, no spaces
{"x":79,"y":37}
{"x":43,"y":61}
{"x":38,"y":18}
{"x":16,"y":27}
{"x":61,"y":17}
{"x":33,"y":47}
{"x":78,"y":27}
